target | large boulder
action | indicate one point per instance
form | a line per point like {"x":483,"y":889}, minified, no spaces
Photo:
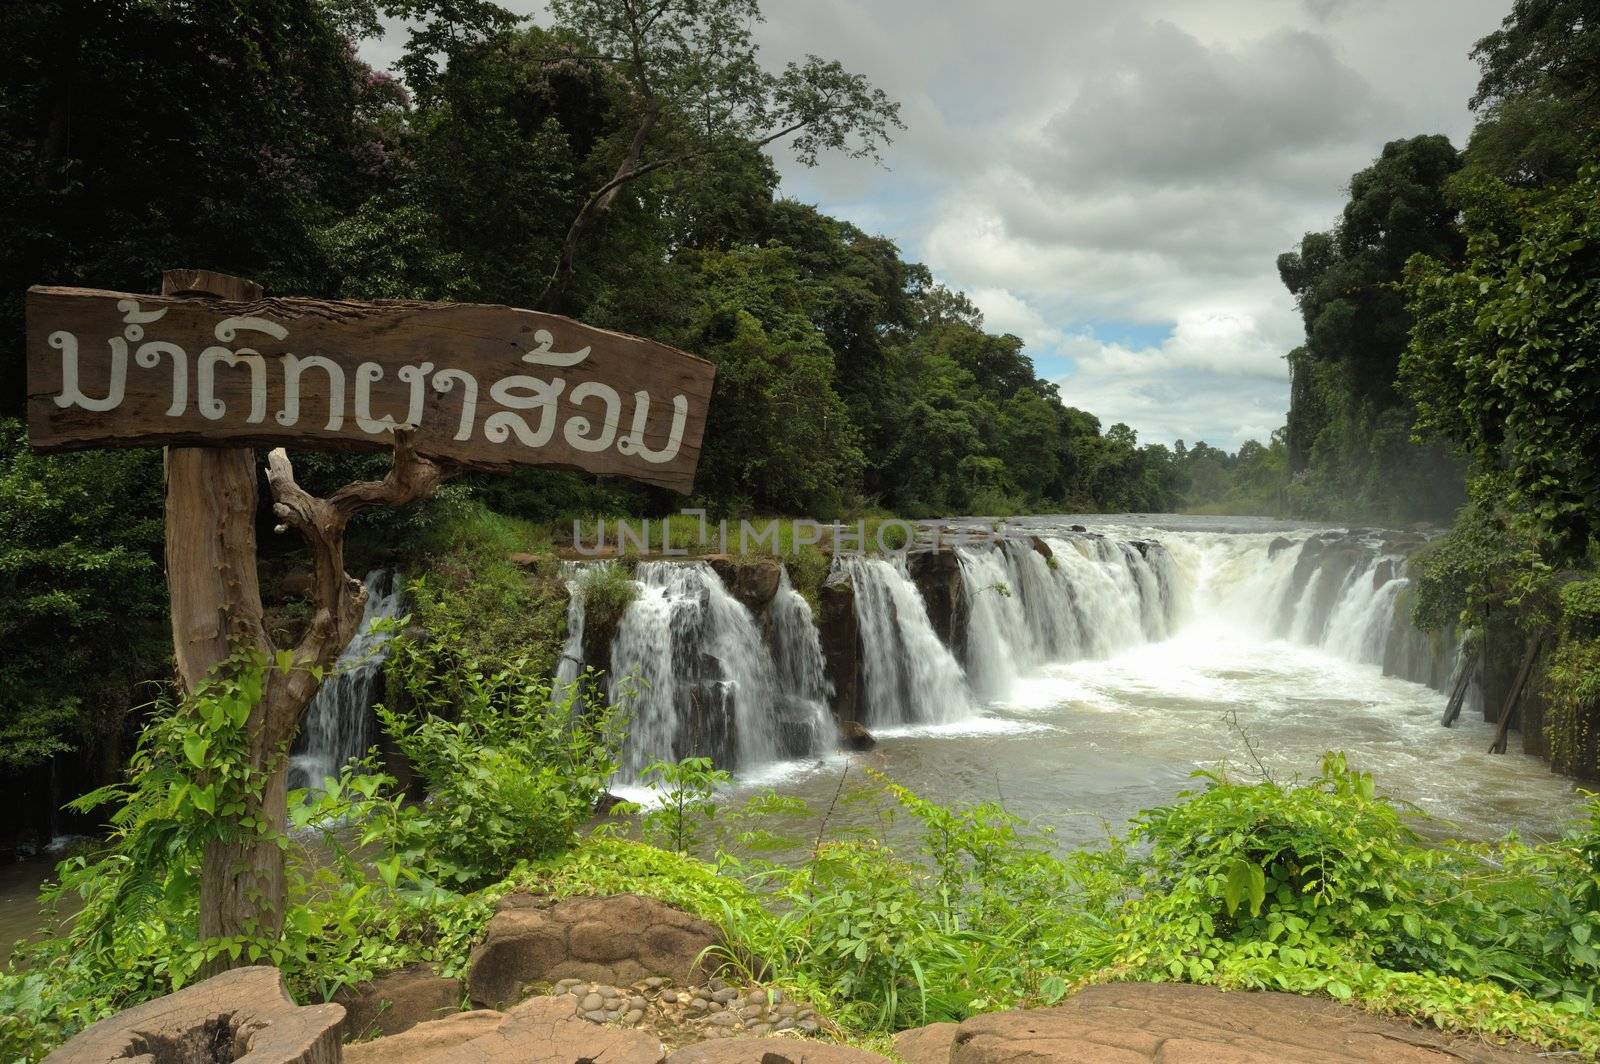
{"x":1170,"y":1023}
{"x":422,"y":1041}
{"x":244,"y":1016}
{"x":398,"y":1001}
{"x":617,"y":940}
{"x":771,"y":1050}
{"x":926,"y":1045}
{"x":541,"y":1030}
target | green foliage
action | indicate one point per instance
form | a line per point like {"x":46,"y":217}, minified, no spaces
{"x":1500,"y":359}
{"x":71,"y":528}
{"x":608,"y":590}
{"x":1488,"y":561}
{"x":1572,"y":696}
{"x":687,"y":790}
{"x":1252,"y":480}
{"x":510,"y":775}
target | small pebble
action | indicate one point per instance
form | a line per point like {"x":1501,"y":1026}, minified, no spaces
{"x":610,"y":992}
{"x":702,"y":993}
{"x":715,"y":1006}
{"x":655,"y":982}
{"x":724,"y":1019}
{"x":591,"y":1002}
{"x":756,"y":997}
{"x":783,"y":1025}
{"x":752,"y":1012}
{"x":809,"y":1026}
{"x":669,"y":996}
{"x":637,"y":1002}
{"x":806,"y":1014}
{"x":633,"y":1016}
{"x":761,"y":1029}
{"x":788,"y":1011}
{"x":725,"y":995}
{"x":595,"y":1016}
{"x":696,"y":1005}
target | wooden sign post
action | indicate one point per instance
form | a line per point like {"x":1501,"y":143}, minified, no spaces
{"x":212,"y":369}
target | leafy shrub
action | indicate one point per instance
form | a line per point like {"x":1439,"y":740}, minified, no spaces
{"x":688,"y":791}
{"x":608,"y":590}
{"x":509,"y":778}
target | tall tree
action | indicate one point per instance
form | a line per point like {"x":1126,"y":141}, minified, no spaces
{"x":696,"y":93}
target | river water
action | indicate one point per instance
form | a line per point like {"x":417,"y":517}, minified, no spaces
{"x":1081,"y":746}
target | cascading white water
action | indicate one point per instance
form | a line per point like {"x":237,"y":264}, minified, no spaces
{"x":338,"y":723}
{"x":690,"y":663}
{"x":1061,"y":598}
{"x":908,"y":675}
{"x":570,"y":665}
{"x":803,"y":684}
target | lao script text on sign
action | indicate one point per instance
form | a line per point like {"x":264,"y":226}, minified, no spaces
{"x":486,"y":386}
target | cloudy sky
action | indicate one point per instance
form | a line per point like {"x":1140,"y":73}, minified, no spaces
{"x":1113,"y":181}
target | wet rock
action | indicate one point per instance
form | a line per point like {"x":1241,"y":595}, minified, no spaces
{"x":853,"y":735}
{"x":398,"y":1001}
{"x":753,"y":581}
{"x":937,"y":576}
{"x":1281,"y":543}
{"x":242,"y":1012}
{"x":840,"y":635}
{"x":619,"y":939}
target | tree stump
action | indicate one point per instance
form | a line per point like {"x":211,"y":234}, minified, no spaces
{"x":244,"y":1016}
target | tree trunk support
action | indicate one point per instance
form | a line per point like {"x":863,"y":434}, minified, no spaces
{"x":1458,"y":693}
{"x":211,"y":504}
{"x":1515,"y":695}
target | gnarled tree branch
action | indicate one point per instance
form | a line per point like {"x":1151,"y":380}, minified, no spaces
{"x":337,"y":597}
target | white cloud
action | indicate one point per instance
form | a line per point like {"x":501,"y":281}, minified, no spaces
{"x":1089,"y":169}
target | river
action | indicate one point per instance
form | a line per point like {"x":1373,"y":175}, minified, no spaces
{"x":1080,"y":746}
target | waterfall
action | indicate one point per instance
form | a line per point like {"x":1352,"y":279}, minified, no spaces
{"x":691,"y":664}
{"x":1342,"y":591}
{"x":338,"y":723}
{"x":1061,"y":598}
{"x":570,"y":665}
{"x":806,"y":725}
{"x":909,"y":676}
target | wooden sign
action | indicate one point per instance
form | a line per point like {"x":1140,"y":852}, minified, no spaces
{"x":484,"y":386}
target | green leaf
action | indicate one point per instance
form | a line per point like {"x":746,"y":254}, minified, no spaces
{"x":195,"y":748}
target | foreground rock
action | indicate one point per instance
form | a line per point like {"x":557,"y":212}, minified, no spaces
{"x":541,"y":1030}
{"x":399,"y":1001}
{"x":240,"y":1017}
{"x":926,"y":1045}
{"x":615,"y":940}
{"x":772,"y":1051}
{"x":1145,"y":1023}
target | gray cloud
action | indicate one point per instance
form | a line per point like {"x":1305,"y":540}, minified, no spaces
{"x":1074,"y":163}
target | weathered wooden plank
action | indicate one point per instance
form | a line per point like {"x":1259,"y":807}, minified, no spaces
{"x":485,"y":386}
